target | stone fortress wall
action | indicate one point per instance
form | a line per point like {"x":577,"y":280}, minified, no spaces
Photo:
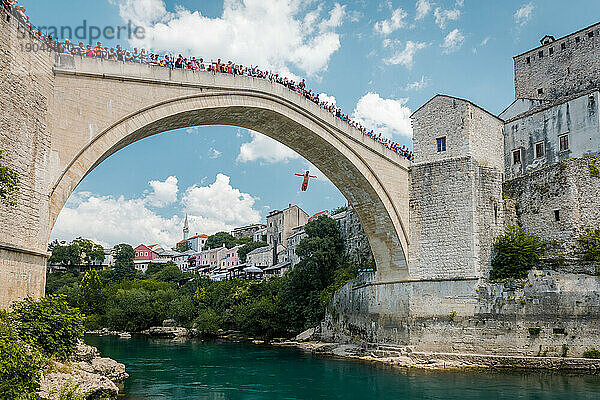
{"x":559,"y":67}
{"x":464,"y":195}
{"x":456,"y":198}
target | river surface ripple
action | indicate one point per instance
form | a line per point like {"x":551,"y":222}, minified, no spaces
{"x":162,"y":369}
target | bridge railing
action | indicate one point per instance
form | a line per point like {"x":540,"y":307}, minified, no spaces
{"x":120,"y":54}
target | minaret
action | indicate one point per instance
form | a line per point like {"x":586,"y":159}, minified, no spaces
{"x":186,"y":228}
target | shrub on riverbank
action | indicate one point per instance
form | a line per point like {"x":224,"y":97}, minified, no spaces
{"x":20,"y":365}
{"x":34,"y":332}
{"x":48,"y":324}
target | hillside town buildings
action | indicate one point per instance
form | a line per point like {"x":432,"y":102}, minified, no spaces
{"x":247,"y":231}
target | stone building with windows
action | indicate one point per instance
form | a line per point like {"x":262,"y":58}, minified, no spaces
{"x":247,"y":231}
{"x":533,"y":165}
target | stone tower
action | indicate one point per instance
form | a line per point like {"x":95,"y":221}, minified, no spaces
{"x":456,"y":189}
{"x":186,"y":228}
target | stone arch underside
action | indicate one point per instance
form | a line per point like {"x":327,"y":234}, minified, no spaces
{"x":339,"y":158}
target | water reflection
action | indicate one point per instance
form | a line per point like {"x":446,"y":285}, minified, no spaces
{"x":185,"y":370}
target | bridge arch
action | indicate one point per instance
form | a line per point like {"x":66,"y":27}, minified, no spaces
{"x":292,"y":125}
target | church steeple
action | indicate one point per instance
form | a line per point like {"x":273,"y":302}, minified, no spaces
{"x":186,"y":228}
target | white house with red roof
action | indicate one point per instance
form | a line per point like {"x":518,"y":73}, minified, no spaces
{"x":197,"y":242}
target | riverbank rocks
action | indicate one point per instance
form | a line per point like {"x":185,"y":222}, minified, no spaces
{"x":169,"y":323}
{"x":306,"y":335}
{"x":86,"y":373}
{"x":166,"y":332}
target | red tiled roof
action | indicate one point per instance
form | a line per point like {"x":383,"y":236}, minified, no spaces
{"x":194,"y":237}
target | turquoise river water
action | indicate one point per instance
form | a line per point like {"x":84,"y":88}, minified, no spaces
{"x":161,"y":369}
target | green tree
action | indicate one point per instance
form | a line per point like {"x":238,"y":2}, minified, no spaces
{"x":9,"y":183}
{"x":218,"y":240}
{"x":208,"y":322}
{"x":122,"y":272}
{"x":64,"y":253}
{"x":169,"y":272}
{"x":182,"y":246}
{"x":20,"y":365}
{"x":589,"y":245}
{"x":321,"y":256}
{"x":247,"y":248}
{"x":124,"y":254}
{"x":515,"y":253}
{"x":243,"y":241}
{"x":90,"y":293}
{"x":89,"y":252}
{"x":49,"y":324}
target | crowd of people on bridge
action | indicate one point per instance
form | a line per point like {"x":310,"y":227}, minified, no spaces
{"x":118,"y":53}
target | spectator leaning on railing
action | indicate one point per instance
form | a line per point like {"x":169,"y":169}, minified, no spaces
{"x":140,"y":56}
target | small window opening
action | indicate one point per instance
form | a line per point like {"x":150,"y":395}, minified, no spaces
{"x":563,"y":142}
{"x":563,"y":46}
{"x":517,"y":156}
{"x":591,"y":34}
{"x":540,"y":91}
{"x":557,"y":215}
{"x":441,"y":144}
{"x":528,"y":60}
{"x":539,"y":150}
{"x":551,"y":50}
{"x":577,"y":39}
{"x":541,"y":54}
{"x":496,"y":212}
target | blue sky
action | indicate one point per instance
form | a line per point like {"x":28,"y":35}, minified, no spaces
{"x":380,"y":60}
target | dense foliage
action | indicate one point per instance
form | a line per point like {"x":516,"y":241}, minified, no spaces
{"x":31,"y":334}
{"x":124,"y":254}
{"x":49,"y":324}
{"x":589,"y":245}
{"x":218,"y":240}
{"x":182,"y":246}
{"x":515,"y":253}
{"x":79,"y":251}
{"x":278,"y":306}
{"x":9,"y":183}
{"x":20,"y":365}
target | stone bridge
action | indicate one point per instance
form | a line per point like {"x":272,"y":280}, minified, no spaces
{"x":63,"y":115}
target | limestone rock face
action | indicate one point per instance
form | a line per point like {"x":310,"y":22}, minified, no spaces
{"x":306,"y":335}
{"x":86,"y":373}
{"x":169,"y":323}
{"x":86,"y":353}
{"x":93,"y":385}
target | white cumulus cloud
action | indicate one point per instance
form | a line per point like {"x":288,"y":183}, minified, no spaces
{"x":405,"y":57}
{"x":395,"y":22}
{"x":443,"y":16}
{"x":523,"y":15}
{"x":327,"y":99}
{"x":110,"y":220}
{"x":264,"y":148}
{"x":423,"y":8}
{"x":386,"y":116}
{"x":163,"y":193}
{"x":453,"y":41}
{"x":276,"y":35}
